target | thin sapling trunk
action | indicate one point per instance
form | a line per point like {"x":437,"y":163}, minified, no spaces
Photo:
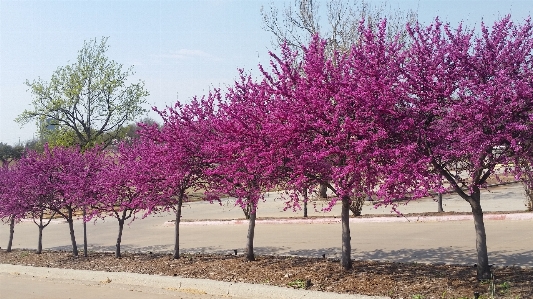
{"x":70,"y":222}
{"x":121,"y":220}
{"x":305,"y":201}
{"x":439,"y":201}
{"x":250,"y":239}
{"x":41,"y":227}
{"x":346,"y":260}
{"x":72,"y":236}
{"x":176,"y":254}
{"x":474,"y":199}
{"x":40,"y":242}
{"x":11,"y":233}
{"x":483,"y":268}
{"x":84,"y":232}
{"x":119,"y":238}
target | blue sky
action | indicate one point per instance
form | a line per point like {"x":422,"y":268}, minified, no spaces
{"x":179,"y":48}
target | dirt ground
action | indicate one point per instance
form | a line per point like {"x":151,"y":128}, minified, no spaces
{"x":397,"y":280}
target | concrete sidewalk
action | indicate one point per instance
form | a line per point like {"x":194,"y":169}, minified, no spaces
{"x":81,"y":284}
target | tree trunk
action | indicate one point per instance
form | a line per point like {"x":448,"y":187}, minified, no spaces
{"x":250,"y":241}
{"x":323,"y":192}
{"x":84,"y":233}
{"x":346,"y":260}
{"x":305,"y":201}
{"x":40,"y":242}
{"x":177,"y":229}
{"x":440,"y":209}
{"x":11,"y":233}
{"x":119,"y":238}
{"x":483,"y":269}
{"x":72,"y":236}
{"x":41,"y":227}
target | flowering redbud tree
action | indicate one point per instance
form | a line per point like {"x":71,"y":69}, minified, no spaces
{"x":469,"y":108}
{"x":246,"y":161}
{"x":119,"y":195}
{"x":82,"y":179}
{"x":176,"y":157}
{"x":12,"y":206}
{"x":58,"y":181}
{"x":34,"y":185}
{"x":331,"y":119}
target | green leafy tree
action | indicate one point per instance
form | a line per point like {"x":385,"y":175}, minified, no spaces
{"x":89,"y":99}
{"x":85,"y":103}
{"x":55,"y":135}
{"x":9,"y":153}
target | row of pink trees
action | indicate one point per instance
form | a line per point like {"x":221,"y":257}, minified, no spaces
{"x":152,"y":174}
{"x":57,"y":181}
{"x":391,"y":119}
{"x":388,"y":118}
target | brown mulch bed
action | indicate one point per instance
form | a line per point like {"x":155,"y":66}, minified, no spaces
{"x":397,"y":280}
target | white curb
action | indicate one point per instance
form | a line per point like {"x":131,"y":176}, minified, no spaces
{"x":512,"y":216}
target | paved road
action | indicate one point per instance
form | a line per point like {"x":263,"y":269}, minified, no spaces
{"x":501,"y":198}
{"x":509,"y":242}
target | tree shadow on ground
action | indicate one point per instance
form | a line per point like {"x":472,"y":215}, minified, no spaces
{"x":440,"y":255}
{"x":160,"y":249}
{"x":446,"y":255}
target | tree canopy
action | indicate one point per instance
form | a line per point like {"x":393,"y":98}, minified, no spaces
{"x":85,"y":101}
{"x":9,"y":153}
{"x":296,"y":25}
